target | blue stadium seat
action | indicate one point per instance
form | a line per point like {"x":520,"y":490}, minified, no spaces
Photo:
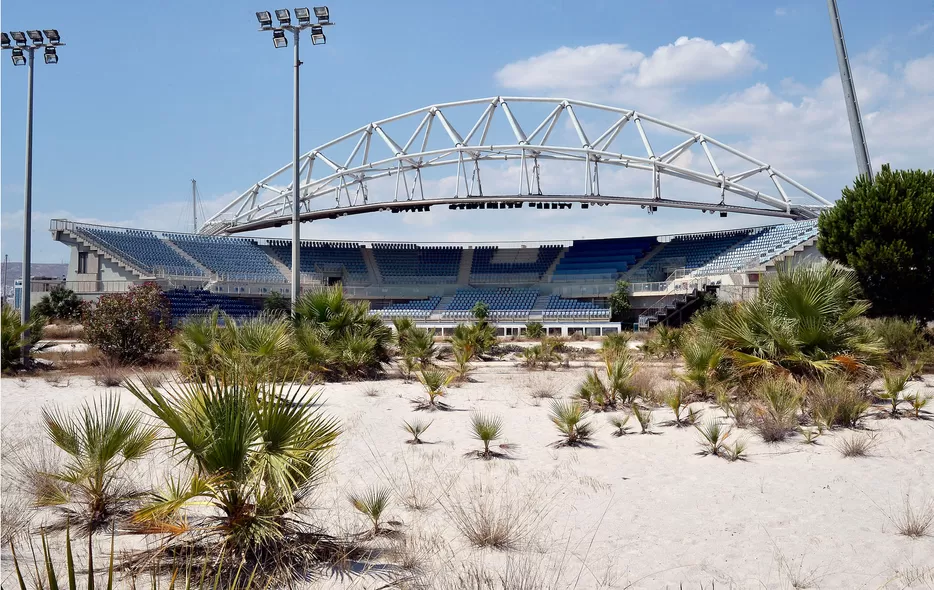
{"x":185,"y":303}
{"x":234,"y":258}
{"x":141,"y":248}
{"x":601,"y":259}
{"x":504,"y":303}
{"x":417,"y":308}
{"x":761,"y":247}
{"x":492,"y":264}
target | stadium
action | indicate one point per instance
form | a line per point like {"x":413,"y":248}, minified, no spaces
{"x":564,"y":284}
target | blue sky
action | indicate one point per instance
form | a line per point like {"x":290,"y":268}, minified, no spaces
{"x":149,"y":95}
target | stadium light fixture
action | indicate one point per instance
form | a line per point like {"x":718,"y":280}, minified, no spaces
{"x":723,"y":214}
{"x":265,"y":19}
{"x":303,"y":15}
{"x":317,"y":36}
{"x":24,"y":53}
{"x":278,"y":39}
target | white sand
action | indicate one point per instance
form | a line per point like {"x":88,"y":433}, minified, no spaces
{"x":633,"y":512}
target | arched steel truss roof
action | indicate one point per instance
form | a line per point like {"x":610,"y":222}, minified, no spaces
{"x":345,"y":185}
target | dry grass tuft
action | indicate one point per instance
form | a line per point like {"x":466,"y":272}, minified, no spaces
{"x":496,"y":517}
{"x":109,"y":373}
{"x":371,"y":391}
{"x":916,"y":518}
{"x":858,"y":445}
{"x":542,"y":387}
{"x":648,"y":383}
{"x":63,"y":332}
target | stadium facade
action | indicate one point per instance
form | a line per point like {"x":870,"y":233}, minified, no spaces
{"x":564,"y":285}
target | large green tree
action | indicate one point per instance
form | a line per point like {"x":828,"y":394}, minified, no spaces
{"x":884,"y":230}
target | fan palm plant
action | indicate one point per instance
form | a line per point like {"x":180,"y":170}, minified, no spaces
{"x":258,"y":346}
{"x":462,"y":366}
{"x":702,"y":355}
{"x":420,"y":344}
{"x":570,"y":418}
{"x":894,"y":384}
{"x":372,"y":504}
{"x":713,"y":437}
{"x":675,"y":401}
{"x":643,"y":416}
{"x":416,"y":428}
{"x":616,"y":343}
{"x":435,"y":381}
{"x":197,"y":344}
{"x":918,"y":402}
{"x":805,"y":320}
{"x":100,"y":440}
{"x":11,"y":334}
{"x":253,"y":452}
{"x":403,"y":327}
{"x":486,"y":428}
{"x":359,"y":343}
{"x":605,"y":392}
{"x":312,"y":352}
{"x":619,"y":423}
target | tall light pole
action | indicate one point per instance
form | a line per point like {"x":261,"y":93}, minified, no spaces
{"x":23,"y":53}
{"x":303,"y":15}
{"x":863,"y":163}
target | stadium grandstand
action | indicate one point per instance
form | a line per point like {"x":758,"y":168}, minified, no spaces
{"x":565,"y":285}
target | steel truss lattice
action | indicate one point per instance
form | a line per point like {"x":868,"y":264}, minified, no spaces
{"x":361,"y":180}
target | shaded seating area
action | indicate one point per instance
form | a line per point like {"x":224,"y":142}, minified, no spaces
{"x":344,"y":258}
{"x":492,"y":264}
{"x":558,"y":307}
{"x":504,"y":303}
{"x":186,"y":303}
{"x":417,"y":308}
{"x":410,"y":263}
{"x":760,"y":247}
{"x":691,"y":252}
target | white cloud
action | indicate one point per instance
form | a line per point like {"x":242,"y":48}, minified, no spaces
{"x":781,"y":11}
{"x":591,"y":65}
{"x":689,"y":60}
{"x":921,"y":28}
{"x":617,"y":70}
{"x":919,"y":74}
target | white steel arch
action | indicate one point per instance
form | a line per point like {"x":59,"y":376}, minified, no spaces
{"x":339,"y":177}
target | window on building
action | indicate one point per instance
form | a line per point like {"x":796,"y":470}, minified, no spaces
{"x":82,"y":262}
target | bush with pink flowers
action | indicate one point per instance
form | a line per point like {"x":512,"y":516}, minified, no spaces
{"x":130,"y":327}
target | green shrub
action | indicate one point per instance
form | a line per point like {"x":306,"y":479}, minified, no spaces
{"x":59,"y":304}
{"x":663,"y":342}
{"x":834,"y":400}
{"x":903,"y":339}
{"x":606,"y":391}
{"x":197,"y":343}
{"x":130,"y":327}
{"x":479,"y":337}
{"x":277,"y":304}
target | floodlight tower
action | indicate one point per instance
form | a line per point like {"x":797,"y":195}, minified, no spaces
{"x":303,"y":15}
{"x":23,"y":53}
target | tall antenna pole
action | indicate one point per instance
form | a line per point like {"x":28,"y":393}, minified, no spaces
{"x":849,"y":94}
{"x":194,"y":206}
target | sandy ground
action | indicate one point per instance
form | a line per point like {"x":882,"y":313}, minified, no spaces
{"x":638,"y":511}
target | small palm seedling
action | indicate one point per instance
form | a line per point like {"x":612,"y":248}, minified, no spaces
{"x":858,"y":445}
{"x":371,"y":503}
{"x":435,"y":381}
{"x":618,"y":422}
{"x":416,"y":428}
{"x":644,"y":417}
{"x":737,"y":452}
{"x":713,"y":437}
{"x":486,"y":428}
{"x":779,"y":400}
{"x":100,"y":440}
{"x":675,"y":401}
{"x":918,"y":401}
{"x":894,"y":383}
{"x":462,"y":366}
{"x":810,"y":435}
{"x":693,"y":416}
{"x":570,"y":418}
